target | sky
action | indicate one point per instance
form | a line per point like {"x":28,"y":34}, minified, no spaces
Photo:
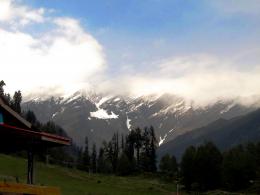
{"x":203,"y":50}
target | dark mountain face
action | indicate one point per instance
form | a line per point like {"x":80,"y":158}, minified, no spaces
{"x":98,"y":117}
{"x":224,"y":133}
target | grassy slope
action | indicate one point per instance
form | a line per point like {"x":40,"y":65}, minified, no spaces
{"x":73,"y":182}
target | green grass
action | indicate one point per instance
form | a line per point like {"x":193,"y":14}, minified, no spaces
{"x":74,"y":182}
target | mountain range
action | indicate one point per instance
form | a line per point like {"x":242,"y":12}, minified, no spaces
{"x":222,"y":132}
{"x":99,"y":116}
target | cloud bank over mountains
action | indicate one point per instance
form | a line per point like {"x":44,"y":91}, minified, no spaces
{"x":46,"y":54}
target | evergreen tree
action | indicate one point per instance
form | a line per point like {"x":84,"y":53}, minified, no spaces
{"x":188,"y":166}
{"x":124,"y":167}
{"x":101,"y":161}
{"x":2,"y":84}
{"x":130,"y":142}
{"x":86,"y":157}
{"x":107,"y":158}
{"x":94,"y":159}
{"x":80,"y":165}
{"x":30,"y":116}
{"x":153,"y":147}
{"x":137,"y":144}
{"x":145,"y":154}
{"x":208,"y":167}
{"x":115,"y":151}
{"x":122,"y":142}
{"x":238,"y":169}
{"x":202,"y":167}
{"x":168,"y":165}
{"x":16,"y":102}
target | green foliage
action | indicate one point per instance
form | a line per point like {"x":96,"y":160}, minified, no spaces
{"x":2,"y":84}
{"x":201,"y":167}
{"x":102,"y":166}
{"x":168,"y":165}
{"x":93,"y":162}
{"x":205,"y":168}
{"x":208,"y":166}
{"x":16,"y":102}
{"x":74,"y":182}
{"x":125,"y":167}
{"x":148,"y":154}
{"x":238,"y":168}
{"x":30,"y":116}
{"x":188,"y":166}
{"x":86,"y":157}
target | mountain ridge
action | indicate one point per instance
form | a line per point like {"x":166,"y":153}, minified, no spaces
{"x":222,"y":132}
{"x":99,"y":116}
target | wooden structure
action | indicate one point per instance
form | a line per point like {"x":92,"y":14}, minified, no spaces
{"x":16,"y":188}
{"x":17,"y":134}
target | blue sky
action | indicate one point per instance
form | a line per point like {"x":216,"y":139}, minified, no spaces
{"x":161,"y":27}
{"x":168,"y":43}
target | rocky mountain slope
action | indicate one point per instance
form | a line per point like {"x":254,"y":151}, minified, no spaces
{"x":98,"y":117}
{"x":224,"y":133}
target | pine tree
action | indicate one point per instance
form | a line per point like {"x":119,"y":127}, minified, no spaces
{"x":2,"y":84}
{"x":168,"y":165}
{"x":86,"y":157}
{"x":130,"y":141}
{"x":138,"y":144}
{"x":115,"y":151}
{"x":125,"y":167}
{"x":122,"y":142}
{"x":101,"y":161}
{"x":94,"y":159}
{"x":188,"y":167}
{"x":153,"y":146}
{"x":238,"y":169}
{"x":80,"y":159}
{"x":208,"y":166}
{"x":30,"y":116}
{"x":145,"y":154}
{"x":16,"y":102}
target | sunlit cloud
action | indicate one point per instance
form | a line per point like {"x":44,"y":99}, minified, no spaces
{"x":64,"y":57}
{"x":14,"y":14}
{"x":201,"y":78}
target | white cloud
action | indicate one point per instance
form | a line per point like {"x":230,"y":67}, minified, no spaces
{"x":14,"y":14}
{"x":200,"y":78}
{"x":64,"y":58}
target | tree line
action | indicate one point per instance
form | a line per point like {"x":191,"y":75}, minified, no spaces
{"x":122,"y":155}
{"x":15,"y":101}
{"x":205,"y":168}
{"x":201,"y":168}
{"x":62,"y":155}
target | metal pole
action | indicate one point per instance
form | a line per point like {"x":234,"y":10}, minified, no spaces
{"x":30,"y":167}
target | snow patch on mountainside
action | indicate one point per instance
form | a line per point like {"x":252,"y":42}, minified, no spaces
{"x":162,"y":139}
{"x":128,"y":123}
{"x":117,"y":99}
{"x":227,"y":108}
{"x":102,"y":100}
{"x":101,"y":113}
{"x":59,"y":112}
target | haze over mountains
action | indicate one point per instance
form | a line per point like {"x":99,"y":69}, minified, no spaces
{"x":98,"y":116}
